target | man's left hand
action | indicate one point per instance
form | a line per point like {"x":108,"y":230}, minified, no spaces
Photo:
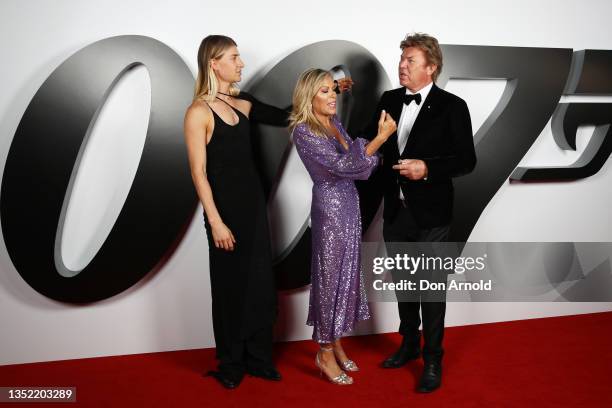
{"x":412,"y":169}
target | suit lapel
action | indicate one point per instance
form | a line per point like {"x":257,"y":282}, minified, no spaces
{"x":422,"y":119}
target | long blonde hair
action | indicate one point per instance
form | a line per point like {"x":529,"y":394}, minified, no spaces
{"x":305,"y":90}
{"x":206,"y":86}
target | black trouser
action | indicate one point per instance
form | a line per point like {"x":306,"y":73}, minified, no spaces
{"x":236,"y":355}
{"x":403,"y":228}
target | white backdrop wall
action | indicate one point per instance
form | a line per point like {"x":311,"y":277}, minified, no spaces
{"x":170,"y":309}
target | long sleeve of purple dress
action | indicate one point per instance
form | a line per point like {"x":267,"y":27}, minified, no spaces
{"x":337,"y":293}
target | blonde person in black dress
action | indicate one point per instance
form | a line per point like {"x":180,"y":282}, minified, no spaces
{"x":217,"y":132}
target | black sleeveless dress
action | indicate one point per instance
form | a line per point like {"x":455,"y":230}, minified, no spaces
{"x":242,"y":280}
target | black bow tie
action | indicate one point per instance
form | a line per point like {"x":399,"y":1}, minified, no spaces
{"x":409,"y":98}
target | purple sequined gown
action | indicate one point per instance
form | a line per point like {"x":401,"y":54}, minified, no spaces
{"x":337,"y":294}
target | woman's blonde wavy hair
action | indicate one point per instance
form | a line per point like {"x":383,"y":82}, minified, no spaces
{"x":212,"y":47}
{"x":306,"y":88}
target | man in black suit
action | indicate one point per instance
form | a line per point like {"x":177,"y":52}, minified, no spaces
{"x":433,"y":144}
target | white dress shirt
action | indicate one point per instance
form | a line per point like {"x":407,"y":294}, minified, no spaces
{"x":407,"y":119}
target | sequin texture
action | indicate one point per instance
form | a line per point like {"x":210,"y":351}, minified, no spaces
{"x":337,"y":293}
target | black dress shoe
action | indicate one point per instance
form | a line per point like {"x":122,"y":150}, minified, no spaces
{"x":266,"y":373}
{"x":431,"y":379}
{"x":404,"y":354}
{"x":228,"y":381}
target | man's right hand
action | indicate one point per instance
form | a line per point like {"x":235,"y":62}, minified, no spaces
{"x":412,"y":169}
{"x":386,"y":125}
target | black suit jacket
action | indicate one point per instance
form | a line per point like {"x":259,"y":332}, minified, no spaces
{"x":442,"y":138}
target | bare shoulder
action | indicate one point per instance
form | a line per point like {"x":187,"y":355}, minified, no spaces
{"x":198,"y":111}
{"x":199,"y":122}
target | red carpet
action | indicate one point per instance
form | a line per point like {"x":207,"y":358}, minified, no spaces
{"x":553,"y":362}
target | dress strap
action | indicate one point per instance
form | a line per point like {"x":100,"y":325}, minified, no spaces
{"x":214,"y":112}
{"x":227,"y":103}
{"x":211,"y":109}
{"x":236,"y":110}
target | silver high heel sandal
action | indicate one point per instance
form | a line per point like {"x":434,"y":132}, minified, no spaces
{"x":341,"y":379}
{"x":349,"y":365}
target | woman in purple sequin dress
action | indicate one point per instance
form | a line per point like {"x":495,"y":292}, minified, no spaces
{"x":333,"y":160}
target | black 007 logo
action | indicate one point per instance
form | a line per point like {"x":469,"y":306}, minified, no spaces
{"x":161,"y":202}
